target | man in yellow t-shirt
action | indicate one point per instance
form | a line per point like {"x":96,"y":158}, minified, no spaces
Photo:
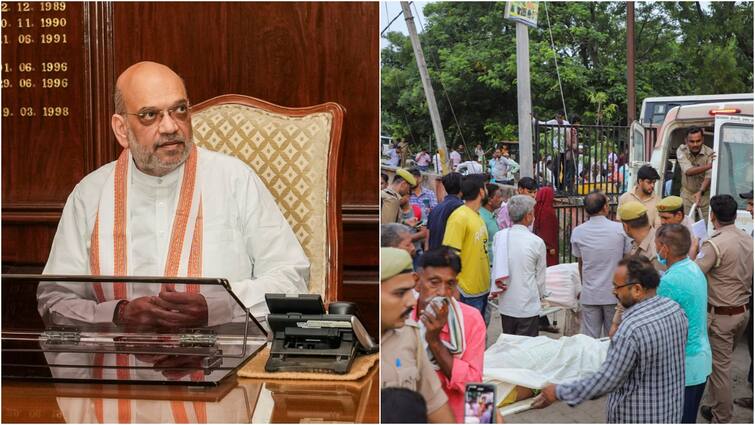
{"x":466,"y":232}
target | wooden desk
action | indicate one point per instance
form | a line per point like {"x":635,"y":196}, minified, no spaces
{"x":238,"y":400}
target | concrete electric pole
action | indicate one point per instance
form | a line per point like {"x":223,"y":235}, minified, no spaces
{"x":440,"y":138}
{"x":524,"y":100}
{"x":631,"y":100}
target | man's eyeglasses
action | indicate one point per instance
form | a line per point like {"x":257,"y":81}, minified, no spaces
{"x":149,"y":116}
{"x":615,"y":286}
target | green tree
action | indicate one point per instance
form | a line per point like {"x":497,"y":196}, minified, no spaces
{"x":682,"y":48}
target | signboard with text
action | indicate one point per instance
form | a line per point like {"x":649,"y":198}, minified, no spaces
{"x":524,"y":12}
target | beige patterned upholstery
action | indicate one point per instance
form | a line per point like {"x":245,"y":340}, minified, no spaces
{"x":294,"y":152}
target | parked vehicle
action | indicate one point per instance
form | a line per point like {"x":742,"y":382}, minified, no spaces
{"x":654,"y":109}
{"x":727,"y":128}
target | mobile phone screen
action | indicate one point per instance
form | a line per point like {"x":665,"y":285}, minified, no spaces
{"x":479,"y":404}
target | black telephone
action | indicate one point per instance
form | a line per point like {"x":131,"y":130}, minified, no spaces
{"x":306,"y":339}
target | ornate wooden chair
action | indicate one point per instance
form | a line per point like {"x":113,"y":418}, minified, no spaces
{"x":297,"y":154}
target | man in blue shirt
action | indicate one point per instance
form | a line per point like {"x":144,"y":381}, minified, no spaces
{"x":490,"y":205}
{"x":436,"y":222}
{"x":685,"y":283}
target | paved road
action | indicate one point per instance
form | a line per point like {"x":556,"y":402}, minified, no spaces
{"x":593,"y":411}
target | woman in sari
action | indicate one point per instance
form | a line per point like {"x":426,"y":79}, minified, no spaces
{"x":546,"y":227}
{"x":546,"y":223}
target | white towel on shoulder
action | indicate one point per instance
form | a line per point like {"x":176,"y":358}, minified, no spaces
{"x":500,"y":259}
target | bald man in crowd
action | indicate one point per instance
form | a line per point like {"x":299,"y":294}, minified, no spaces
{"x":167,"y":207}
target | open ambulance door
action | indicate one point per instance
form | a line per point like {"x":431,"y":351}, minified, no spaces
{"x":638,"y":152}
{"x":733,"y":166}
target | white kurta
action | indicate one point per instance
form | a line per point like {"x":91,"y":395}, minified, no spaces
{"x":526,"y":261}
{"x":246,"y":239}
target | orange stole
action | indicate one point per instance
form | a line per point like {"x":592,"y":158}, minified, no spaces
{"x":178,"y":234}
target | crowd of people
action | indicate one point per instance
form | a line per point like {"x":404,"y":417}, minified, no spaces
{"x":673,"y":303}
{"x":564,"y":163}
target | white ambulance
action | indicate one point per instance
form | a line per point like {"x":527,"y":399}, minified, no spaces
{"x":727,"y":129}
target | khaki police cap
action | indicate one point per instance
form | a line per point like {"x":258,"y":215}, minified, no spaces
{"x":670,"y":203}
{"x":406,"y":176}
{"x":631,"y":210}
{"x":394,"y":261}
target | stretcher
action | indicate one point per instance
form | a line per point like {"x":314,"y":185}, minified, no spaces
{"x":519,"y":366}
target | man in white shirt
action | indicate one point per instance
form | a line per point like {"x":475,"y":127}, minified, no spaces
{"x":455,"y":158}
{"x":393,"y":156}
{"x":519,"y":270}
{"x":501,"y":166}
{"x":167,"y":207}
{"x":559,"y":146}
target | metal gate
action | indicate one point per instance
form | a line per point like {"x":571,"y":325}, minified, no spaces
{"x":570,"y":213}
{"x":577,"y":159}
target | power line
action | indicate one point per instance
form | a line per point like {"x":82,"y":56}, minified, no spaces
{"x":555,"y":60}
{"x":392,"y":20}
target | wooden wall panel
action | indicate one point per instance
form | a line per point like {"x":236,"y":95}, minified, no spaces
{"x":292,"y":54}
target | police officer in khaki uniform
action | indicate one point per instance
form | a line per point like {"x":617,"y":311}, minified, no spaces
{"x":671,"y":211}
{"x":695,"y":161}
{"x":390,"y":210}
{"x":634,"y":217}
{"x":644,"y":193}
{"x":747,"y":401}
{"x":726,"y":260}
{"x":403,"y":359}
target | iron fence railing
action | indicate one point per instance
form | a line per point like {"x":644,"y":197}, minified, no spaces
{"x":570,"y":213}
{"x":577,"y":159}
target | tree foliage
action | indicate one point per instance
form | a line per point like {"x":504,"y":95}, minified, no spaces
{"x":681,"y":48}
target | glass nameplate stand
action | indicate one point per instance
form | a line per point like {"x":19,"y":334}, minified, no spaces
{"x":61,"y":328}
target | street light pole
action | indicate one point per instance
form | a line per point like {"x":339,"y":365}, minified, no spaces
{"x":524,"y":100}
{"x":440,"y":139}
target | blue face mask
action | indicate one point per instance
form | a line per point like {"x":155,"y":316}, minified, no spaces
{"x":662,"y":261}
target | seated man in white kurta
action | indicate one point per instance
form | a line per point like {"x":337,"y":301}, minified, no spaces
{"x":168,"y":208}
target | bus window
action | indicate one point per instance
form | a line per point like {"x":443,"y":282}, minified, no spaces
{"x":735,"y":161}
{"x":659,"y":113}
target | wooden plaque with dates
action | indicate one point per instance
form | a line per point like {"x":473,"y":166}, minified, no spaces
{"x":43,"y":101}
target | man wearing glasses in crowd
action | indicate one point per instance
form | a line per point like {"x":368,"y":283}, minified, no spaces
{"x":168,"y":207}
{"x":643,"y":372}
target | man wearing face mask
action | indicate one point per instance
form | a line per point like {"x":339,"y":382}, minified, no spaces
{"x":167,"y":207}
{"x":685,"y":283}
{"x":643,"y":373}
{"x":726,"y":260}
{"x":634,"y":218}
{"x":454,"y":333}
{"x":403,"y":362}
{"x":644,"y":193}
